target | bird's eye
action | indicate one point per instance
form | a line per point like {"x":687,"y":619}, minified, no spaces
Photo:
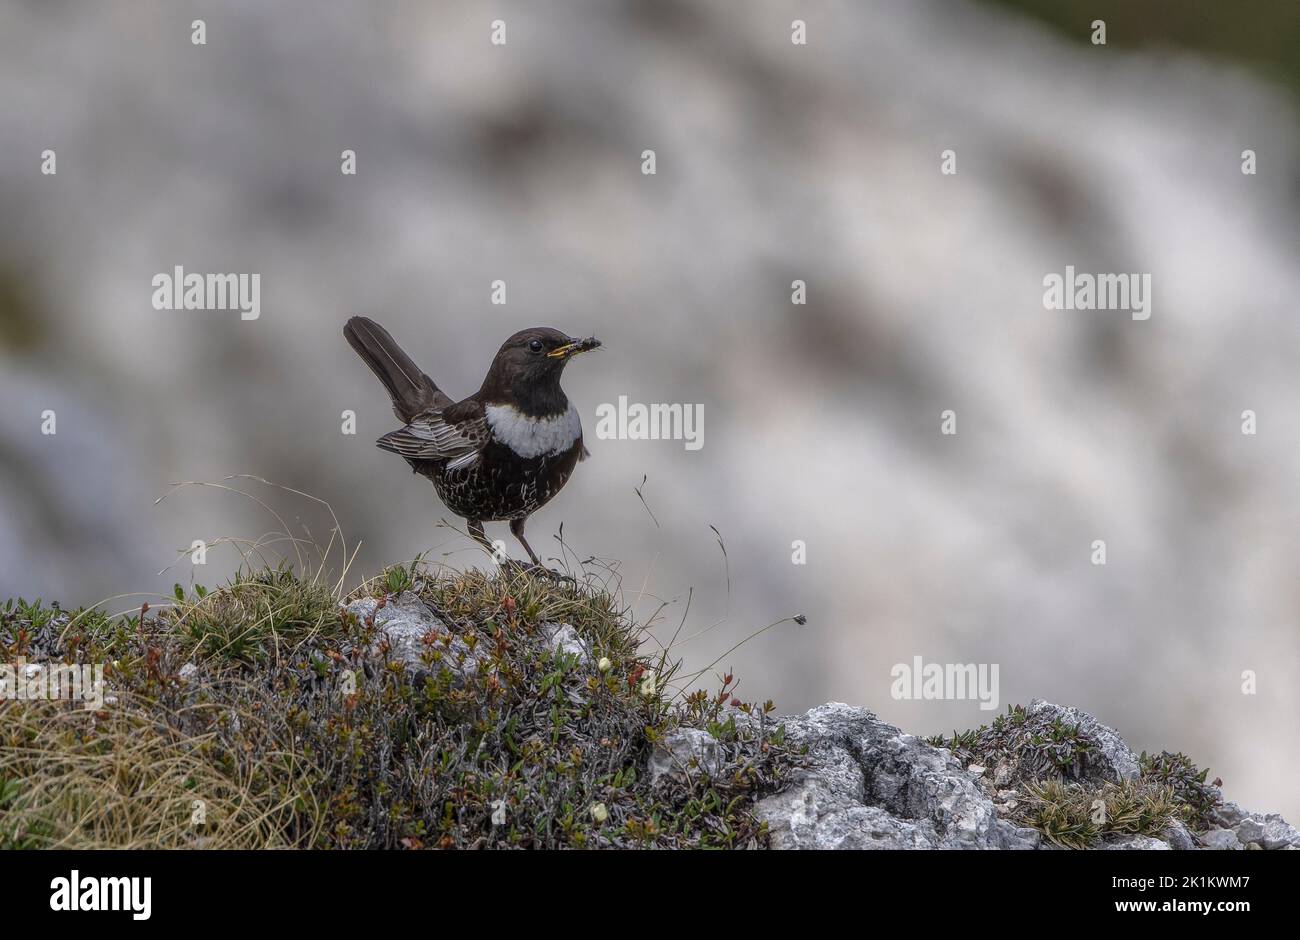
{"x":535,"y":345}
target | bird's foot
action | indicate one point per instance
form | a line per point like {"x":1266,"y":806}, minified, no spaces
{"x":533,"y":568}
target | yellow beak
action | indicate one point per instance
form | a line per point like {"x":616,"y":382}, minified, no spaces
{"x":573,"y":347}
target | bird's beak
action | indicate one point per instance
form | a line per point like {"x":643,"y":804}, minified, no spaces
{"x":573,"y":347}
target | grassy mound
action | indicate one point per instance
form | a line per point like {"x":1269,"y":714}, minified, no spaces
{"x":263,"y":714}
{"x":1044,"y":774}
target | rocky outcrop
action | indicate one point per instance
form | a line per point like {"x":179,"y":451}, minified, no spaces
{"x":1255,"y":830}
{"x":685,"y":753}
{"x":869,"y":785}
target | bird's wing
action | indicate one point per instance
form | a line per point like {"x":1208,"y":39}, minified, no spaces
{"x":455,"y":434}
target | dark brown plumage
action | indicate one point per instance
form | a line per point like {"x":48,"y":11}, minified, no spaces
{"x":501,"y":453}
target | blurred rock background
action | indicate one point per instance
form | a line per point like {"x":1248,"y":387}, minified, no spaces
{"x":775,"y":162}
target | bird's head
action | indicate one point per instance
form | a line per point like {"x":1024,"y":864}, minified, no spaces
{"x":534,"y":359}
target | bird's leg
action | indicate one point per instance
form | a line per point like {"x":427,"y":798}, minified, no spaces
{"x":517,"y":530}
{"x":476,"y":532}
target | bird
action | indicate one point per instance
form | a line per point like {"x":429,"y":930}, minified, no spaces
{"x":500,"y":454}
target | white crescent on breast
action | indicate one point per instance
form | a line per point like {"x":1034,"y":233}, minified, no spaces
{"x":533,"y":437}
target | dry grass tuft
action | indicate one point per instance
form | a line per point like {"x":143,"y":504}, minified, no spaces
{"x":120,"y":779}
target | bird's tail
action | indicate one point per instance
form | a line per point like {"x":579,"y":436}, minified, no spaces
{"x":412,"y":391}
